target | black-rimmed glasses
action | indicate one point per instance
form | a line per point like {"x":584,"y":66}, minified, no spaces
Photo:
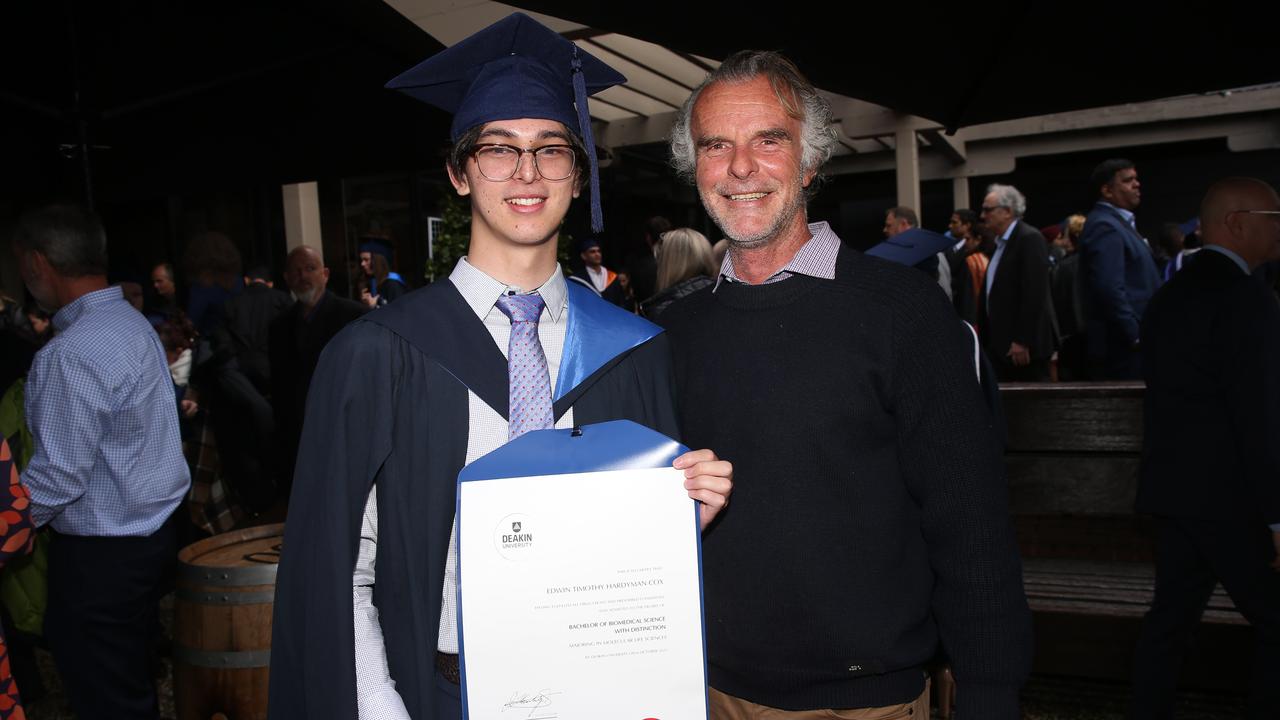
{"x":499,"y":162}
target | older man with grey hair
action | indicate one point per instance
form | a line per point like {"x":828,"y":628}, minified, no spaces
{"x":108,"y":471}
{"x":873,"y":524}
{"x":1016,"y":313}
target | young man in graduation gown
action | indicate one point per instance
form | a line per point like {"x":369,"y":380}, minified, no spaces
{"x":405,"y":397}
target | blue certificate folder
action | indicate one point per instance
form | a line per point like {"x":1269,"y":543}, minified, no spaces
{"x":616,"y":445}
{"x":609,"y":446}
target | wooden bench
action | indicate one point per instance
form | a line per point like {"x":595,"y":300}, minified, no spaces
{"x":1105,"y":589}
{"x":1087,"y":617}
{"x":1072,"y":460}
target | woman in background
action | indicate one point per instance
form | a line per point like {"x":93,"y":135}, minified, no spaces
{"x":1064,"y":288}
{"x":969,"y":273}
{"x":684,"y":267}
{"x":380,"y":284}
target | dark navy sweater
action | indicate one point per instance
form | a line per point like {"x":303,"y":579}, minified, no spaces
{"x":869,"y":521}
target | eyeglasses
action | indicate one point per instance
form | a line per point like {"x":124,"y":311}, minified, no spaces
{"x":1271,"y":213}
{"x":991,"y":209}
{"x":498,"y":162}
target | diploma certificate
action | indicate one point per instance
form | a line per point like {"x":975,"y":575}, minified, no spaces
{"x":580,"y":597}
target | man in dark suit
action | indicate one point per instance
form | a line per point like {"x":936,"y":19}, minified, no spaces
{"x":1119,"y":273}
{"x":248,"y":318}
{"x":239,"y":381}
{"x":1211,"y":465}
{"x":296,"y":338}
{"x":1018,"y":329}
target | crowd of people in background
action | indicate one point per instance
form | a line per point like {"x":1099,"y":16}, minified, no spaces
{"x":1063,"y":302}
{"x":1065,"y":307}
{"x":1059,"y":302}
{"x":238,"y":354}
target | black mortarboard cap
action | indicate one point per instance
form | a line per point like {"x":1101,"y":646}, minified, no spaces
{"x":910,"y":247}
{"x":515,"y":68}
{"x":376,"y":246}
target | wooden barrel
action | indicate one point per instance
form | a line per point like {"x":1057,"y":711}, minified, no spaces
{"x":222,"y":624}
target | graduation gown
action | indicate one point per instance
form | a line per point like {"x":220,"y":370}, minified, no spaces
{"x":388,"y":404}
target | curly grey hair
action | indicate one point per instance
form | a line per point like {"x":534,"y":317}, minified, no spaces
{"x":1009,"y":197}
{"x":798,"y":96}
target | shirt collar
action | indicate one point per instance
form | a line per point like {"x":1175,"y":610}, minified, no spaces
{"x":481,"y":292}
{"x":1126,"y":214}
{"x":1239,"y":261}
{"x":81,"y":305}
{"x":816,"y":258}
{"x":1004,"y":238}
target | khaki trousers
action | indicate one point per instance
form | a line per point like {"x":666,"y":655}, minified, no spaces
{"x":728,"y":707}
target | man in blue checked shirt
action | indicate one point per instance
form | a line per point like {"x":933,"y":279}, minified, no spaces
{"x":108,"y":469}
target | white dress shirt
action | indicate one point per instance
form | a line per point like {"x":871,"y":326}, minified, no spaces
{"x":1001,"y":242}
{"x":599,"y":277}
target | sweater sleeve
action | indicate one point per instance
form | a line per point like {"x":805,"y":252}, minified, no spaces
{"x":954,"y":470}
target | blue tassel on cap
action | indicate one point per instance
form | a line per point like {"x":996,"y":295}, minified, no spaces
{"x":584,"y":123}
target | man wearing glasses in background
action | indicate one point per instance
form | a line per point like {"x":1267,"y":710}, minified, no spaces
{"x":406,"y":396}
{"x":1211,"y":464}
{"x":1016,"y":310}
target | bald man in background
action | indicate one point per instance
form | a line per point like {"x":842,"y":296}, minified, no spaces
{"x":1211,"y":466}
{"x":294,"y":342}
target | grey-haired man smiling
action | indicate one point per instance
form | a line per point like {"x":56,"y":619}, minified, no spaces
{"x":870,"y":521}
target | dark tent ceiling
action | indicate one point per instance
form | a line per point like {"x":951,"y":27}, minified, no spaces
{"x":279,"y":90}
{"x":170,"y":93}
{"x":968,"y":63}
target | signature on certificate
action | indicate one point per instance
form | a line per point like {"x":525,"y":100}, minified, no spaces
{"x":533,"y":702}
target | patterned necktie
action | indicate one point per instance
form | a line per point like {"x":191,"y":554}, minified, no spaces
{"x":530,"y":384}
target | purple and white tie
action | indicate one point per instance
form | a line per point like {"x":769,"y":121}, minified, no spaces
{"x":529,"y":382}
